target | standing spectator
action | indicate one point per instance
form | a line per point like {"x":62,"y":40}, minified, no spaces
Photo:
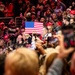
{"x":10,"y":10}
{"x":58,"y":8}
{"x":73,"y":6}
{"x":2,"y":8}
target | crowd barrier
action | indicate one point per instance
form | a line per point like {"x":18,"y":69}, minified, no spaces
{"x":18,"y":20}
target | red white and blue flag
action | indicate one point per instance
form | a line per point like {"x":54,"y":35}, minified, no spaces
{"x":33,"y":27}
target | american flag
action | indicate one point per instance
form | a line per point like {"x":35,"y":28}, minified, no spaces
{"x":33,"y":27}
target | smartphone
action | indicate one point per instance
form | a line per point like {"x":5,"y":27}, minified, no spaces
{"x":69,"y":36}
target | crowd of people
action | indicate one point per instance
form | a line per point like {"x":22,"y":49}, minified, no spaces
{"x":49,"y":53}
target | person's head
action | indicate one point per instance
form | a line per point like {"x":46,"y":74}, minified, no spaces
{"x":73,"y":3}
{"x":41,"y":7}
{"x":19,"y":38}
{"x":42,"y":19}
{"x":6,"y":38}
{"x":59,"y":23}
{"x":1,"y":43}
{"x":49,"y":27}
{"x":33,"y":16}
{"x":11,"y":6}
{"x":27,"y":2}
{"x":54,"y":16}
{"x":71,"y":21}
{"x":28,"y":16}
{"x":22,"y":30}
{"x":66,"y":21}
{"x":52,"y":5}
{"x":40,"y":1}
{"x":24,"y":62}
{"x":49,"y":59}
{"x":25,"y":36}
{"x":59,"y":13}
{"x":44,"y":2}
{"x":44,"y":31}
{"x":58,"y":5}
{"x":33,"y":9}
{"x":48,"y":12}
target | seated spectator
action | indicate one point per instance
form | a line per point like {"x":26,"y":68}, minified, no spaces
{"x":54,"y":17}
{"x":73,"y":5}
{"x":2,"y":8}
{"x":58,"y":8}
{"x":10,"y":10}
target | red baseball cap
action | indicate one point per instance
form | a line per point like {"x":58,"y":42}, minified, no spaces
{"x":59,"y":23}
{"x":72,"y":12}
{"x":49,"y":24}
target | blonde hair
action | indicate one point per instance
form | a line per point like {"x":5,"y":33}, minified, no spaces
{"x":50,"y":57}
{"x":50,"y":60}
{"x":47,"y":63}
{"x":23,"y":62}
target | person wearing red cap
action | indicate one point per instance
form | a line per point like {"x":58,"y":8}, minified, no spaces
{"x":49,"y":27}
{"x":72,"y":12}
{"x":1,"y":25}
{"x":6,"y":39}
{"x":57,"y":28}
{"x":59,"y":23}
